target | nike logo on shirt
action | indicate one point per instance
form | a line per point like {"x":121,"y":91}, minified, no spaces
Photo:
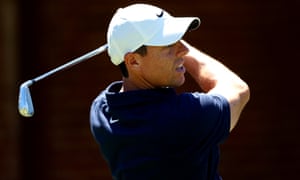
{"x":112,"y":121}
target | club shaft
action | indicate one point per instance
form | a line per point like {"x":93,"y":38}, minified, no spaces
{"x":71,"y":63}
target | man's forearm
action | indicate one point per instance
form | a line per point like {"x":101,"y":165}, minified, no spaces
{"x":207,"y":71}
{"x":202,"y":68}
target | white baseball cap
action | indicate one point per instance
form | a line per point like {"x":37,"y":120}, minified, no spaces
{"x":142,"y":24}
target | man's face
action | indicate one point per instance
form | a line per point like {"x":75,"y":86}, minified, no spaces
{"x":163,"y":65}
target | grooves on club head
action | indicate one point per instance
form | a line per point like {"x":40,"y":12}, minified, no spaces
{"x":25,"y":105}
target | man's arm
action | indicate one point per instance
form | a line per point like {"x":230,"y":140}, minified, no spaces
{"x":213,"y":77}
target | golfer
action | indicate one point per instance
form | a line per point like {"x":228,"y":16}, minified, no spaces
{"x":147,"y":131}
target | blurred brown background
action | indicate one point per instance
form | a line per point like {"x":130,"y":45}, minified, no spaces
{"x":256,"y":39}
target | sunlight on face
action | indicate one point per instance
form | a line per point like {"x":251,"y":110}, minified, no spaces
{"x":163,"y":65}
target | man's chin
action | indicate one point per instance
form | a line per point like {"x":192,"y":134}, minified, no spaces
{"x":180,"y":83}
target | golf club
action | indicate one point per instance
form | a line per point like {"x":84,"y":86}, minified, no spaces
{"x":25,"y":104}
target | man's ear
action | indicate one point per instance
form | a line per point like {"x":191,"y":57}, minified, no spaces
{"x":132,"y":60}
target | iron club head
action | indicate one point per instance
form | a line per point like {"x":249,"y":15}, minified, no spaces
{"x":25,"y":102}
{"x":25,"y":105}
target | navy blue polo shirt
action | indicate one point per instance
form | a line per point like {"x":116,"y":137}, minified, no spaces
{"x":157,"y":134}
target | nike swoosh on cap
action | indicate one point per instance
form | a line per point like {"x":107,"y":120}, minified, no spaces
{"x":160,"y":15}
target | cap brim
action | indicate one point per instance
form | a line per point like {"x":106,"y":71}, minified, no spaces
{"x":173,"y":30}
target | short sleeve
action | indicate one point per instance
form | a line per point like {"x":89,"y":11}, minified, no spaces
{"x":206,"y":118}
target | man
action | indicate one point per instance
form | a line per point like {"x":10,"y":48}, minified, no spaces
{"x":146,"y":130}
